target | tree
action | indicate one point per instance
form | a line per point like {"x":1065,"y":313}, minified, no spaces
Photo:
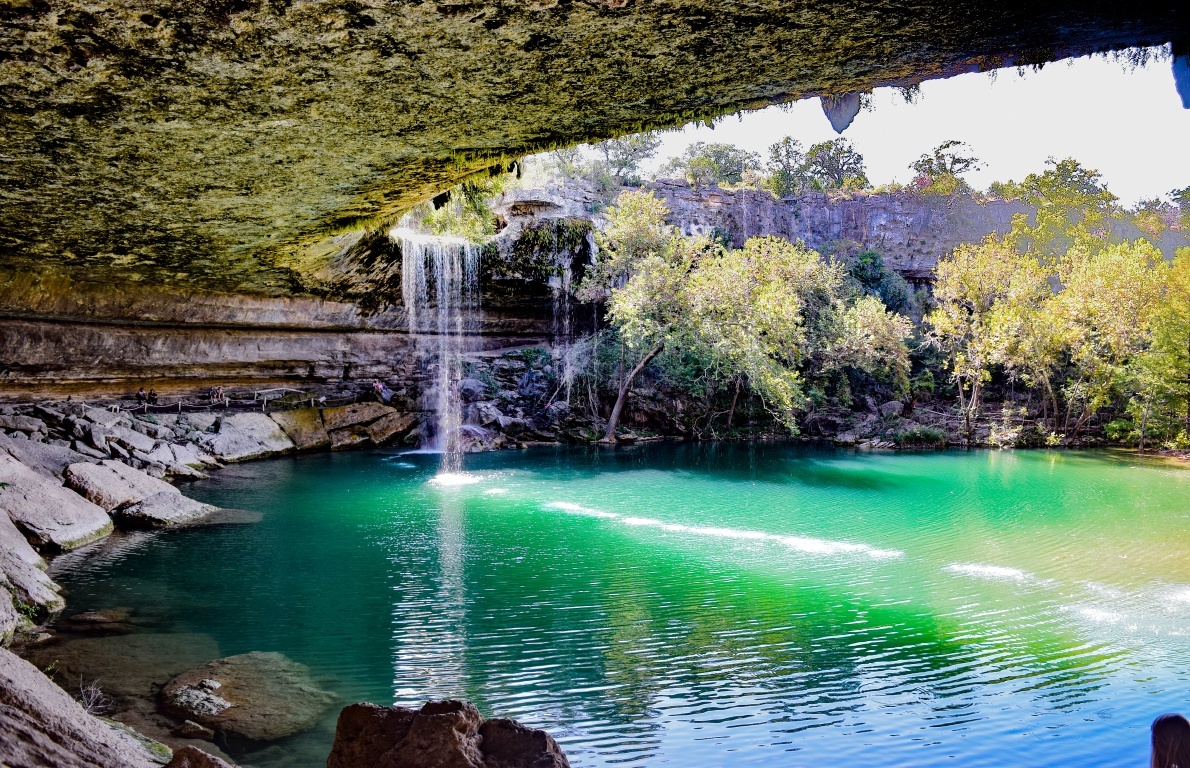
{"x":704,"y":164}
{"x":1107,"y":304}
{"x":624,"y":156}
{"x":1073,"y":208}
{"x":835,"y":164}
{"x":759,"y":311}
{"x":788,"y":171}
{"x":967,"y":285}
{"x":875,"y":279}
{"x":873,"y":340}
{"x":1161,"y":374}
{"x":950,"y":158}
{"x":644,"y":272}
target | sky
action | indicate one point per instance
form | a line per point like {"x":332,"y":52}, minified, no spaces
{"x":1128,"y":123}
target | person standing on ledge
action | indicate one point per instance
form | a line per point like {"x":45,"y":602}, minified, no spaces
{"x":1171,"y":742}
{"x":140,"y":396}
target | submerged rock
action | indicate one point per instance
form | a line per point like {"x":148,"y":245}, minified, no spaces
{"x":41,"y":725}
{"x":441,"y":733}
{"x":252,"y":697}
{"x":162,"y":510}
{"x":51,"y":517}
{"x":191,"y":757}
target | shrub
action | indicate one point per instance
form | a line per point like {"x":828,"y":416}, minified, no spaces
{"x":920,"y":437}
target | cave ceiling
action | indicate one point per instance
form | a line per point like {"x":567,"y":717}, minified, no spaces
{"x":236,"y":144}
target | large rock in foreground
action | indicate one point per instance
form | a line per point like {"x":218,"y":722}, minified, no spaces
{"x":442,"y":734}
{"x":52,"y":518}
{"x":252,"y":697}
{"x":41,"y":725}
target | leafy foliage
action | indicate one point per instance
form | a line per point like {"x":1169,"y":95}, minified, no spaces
{"x":704,"y":164}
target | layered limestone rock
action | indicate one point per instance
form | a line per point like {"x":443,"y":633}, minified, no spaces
{"x":244,"y":436}
{"x":162,"y":510}
{"x":41,"y":725}
{"x":235,"y":145}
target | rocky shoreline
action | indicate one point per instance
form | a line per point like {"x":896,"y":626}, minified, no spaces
{"x":71,"y":475}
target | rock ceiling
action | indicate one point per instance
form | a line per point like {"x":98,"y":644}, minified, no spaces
{"x":233,"y":144}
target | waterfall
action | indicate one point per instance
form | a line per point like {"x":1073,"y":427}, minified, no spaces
{"x":446,"y":268}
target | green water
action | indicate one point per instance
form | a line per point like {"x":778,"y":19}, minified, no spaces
{"x":705,"y":605}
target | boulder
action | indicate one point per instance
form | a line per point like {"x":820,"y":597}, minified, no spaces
{"x":46,"y":460}
{"x":190,"y":455}
{"x":441,"y":734}
{"x":52,"y":518}
{"x":350,"y":437}
{"x":471,"y":390}
{"x":251,"y":697}
{"x":202,"y":420}
{"x":41,"y":725}
{"x":112,"y":484}
{"x":304,"y":427}
{"x":96,"y":435}
{"x":391,"y":427}
{"x":131,"y":440}
{"x":483,"y":414}
{"x":245,"y":436}
{"x":103,"y":416}
{"x":23,"y":574}
{"x":155,"y":431}
{"x":27,"y":424}
{"x":191,"y":757}
{"x":892,"y":408}
{"x":10,"y":618}
{"x":357,"y":413}
{"x":508,"y":744}
{"x":161,"y":510}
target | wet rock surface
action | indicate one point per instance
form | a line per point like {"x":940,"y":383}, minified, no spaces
{"x":41,"y":725}
{"x":162,"y":510}
{"x":441,"y":733}
{"x":252,"y":697}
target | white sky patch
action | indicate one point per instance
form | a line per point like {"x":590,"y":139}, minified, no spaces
{"x":1128,"y":124}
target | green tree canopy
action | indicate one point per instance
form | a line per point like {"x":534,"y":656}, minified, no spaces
{"x":704,"y":164}
{"x":623,"y":156}
{"x":835,"y":165}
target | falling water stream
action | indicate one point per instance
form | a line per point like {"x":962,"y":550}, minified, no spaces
{"x":449,"y":267}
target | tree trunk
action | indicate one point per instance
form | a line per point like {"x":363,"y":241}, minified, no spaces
{"x":735,"y":398}
{"x":1144,"y":423}
{"x":614,"y":420}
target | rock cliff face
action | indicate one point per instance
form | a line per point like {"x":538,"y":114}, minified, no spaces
{"x":911,"y":231}
{"x":58,"y":335}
